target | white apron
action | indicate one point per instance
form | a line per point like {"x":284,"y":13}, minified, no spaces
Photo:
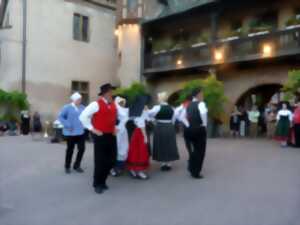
{"x":122,"y":134}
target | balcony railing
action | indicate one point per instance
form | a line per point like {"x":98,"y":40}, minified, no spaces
{"x":254,"y":47}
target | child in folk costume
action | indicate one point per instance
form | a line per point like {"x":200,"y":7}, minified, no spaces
{"x":284,"y":122}
{"x":122,"y":136}
{"x":164,"y":140}
{"x":138,"y":153}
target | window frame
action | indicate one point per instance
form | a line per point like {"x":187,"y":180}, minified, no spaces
{"x":81,"y":33}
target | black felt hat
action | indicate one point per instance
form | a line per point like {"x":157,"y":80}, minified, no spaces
{"x":105,"y":88}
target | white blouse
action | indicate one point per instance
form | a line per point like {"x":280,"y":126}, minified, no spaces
{"x":180,"y":114}
{"x":285,"y":112}
{"x":155,"y":110}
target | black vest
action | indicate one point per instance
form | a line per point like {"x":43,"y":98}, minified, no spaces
{"x":165,"y":113}
{"x":193,"y":115}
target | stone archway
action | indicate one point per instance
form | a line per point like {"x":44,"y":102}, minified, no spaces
{"x":263,"y":94}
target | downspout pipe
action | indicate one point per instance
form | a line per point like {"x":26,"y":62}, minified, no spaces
{"x":24,"y":46}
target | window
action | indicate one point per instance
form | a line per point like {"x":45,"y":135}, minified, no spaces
{"x":83,"y":88}
{"x":81,"y":28}
{"x":4,"y":14}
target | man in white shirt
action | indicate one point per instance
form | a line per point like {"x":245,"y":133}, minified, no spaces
{"x":100,"y":119}
{"x":194,"y":118}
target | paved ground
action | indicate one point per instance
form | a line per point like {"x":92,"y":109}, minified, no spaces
{"x":247,"y":183}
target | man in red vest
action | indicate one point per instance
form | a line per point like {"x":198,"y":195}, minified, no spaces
{"x":100,"y":119}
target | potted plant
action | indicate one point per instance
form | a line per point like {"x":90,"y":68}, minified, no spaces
{"x":11,"y":105}
{"x":213,"y":96}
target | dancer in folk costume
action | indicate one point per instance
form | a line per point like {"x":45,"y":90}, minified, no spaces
{"x":194,"y":117}
{"x":180,"y":116}
{"x":284,"y":123}
{"x":296,"y":121}
{"x":73,"y":131}
{"x":164,"y":140}
{"x":122,"y":136}
{"x":138,"y":153}
{"x":100,"y":118}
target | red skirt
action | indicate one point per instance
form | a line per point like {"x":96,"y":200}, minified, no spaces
{"x":138,"y":154}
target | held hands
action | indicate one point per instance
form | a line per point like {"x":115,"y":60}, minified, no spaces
{"x":96,"y":132}
{"x":116,"y":131}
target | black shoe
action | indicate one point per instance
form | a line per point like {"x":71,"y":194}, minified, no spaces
{"x":79,"y":170}
{"x":67,"y":170}
{"x":165,"y":168}
{"x":197,"y":176}
{"x":99,"y":190}
{"x":105,"y":187}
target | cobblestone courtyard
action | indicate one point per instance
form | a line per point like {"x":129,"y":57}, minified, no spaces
{"x":247,"y":182}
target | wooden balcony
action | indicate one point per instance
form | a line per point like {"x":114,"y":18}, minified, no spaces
{"x":232,"y":50}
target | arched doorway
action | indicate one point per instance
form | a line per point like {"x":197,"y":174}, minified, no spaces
{"x":260,"y":95}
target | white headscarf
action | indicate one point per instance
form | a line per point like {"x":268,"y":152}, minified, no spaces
{"x":119,"y":100}
{"x":74,"y":97}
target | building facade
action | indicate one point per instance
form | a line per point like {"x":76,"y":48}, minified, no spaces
{"x":249,"y":45}
{"x":78,"y":44}
{"x":68,"y":46}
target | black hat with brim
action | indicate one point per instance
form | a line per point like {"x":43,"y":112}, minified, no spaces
{"x":136,"y":108}
{"x":106,"y":88}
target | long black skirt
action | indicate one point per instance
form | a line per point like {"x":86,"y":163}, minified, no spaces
{"x":164,"y":143}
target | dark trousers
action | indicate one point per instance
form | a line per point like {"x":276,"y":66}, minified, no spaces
{"x":71,"y":142}
{"x":187,"y":141}
{"x":297,"y":135}
{"x":105,"y":154}
{"x":195,"y":139}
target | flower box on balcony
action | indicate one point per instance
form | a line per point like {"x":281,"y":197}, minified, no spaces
{"x":196,"y":45}
{"x":230,"y":35}
{"x":259,"y":28}
{"x":293,"y":23}
{"x":229,"y":38}
{"x":159,"y":52}
{"x":258,"y":33}
{"x":292,"y":27}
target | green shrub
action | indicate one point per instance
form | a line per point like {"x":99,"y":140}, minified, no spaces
{"x":213,"y":95}
{"x":292,"y":85}
{"x":134,"y":90}
{"x":11,"y":103}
